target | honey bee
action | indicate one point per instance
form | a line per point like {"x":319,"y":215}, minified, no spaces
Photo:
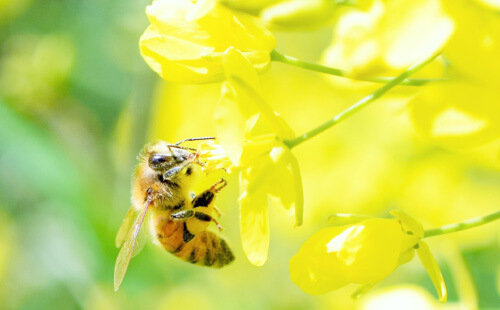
{"x":178,"y":219}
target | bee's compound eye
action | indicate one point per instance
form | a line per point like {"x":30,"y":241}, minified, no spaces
{"x":158,"y":160}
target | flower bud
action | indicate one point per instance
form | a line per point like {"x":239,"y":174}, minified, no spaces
{"x":363,"y":253}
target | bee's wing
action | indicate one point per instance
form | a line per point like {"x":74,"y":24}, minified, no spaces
{"x":127,"y":223}
{"x":127,"y":249}
{"x":125,"y":227}
{"x":142,"y":236}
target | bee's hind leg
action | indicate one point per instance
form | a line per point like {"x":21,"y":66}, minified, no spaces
{"x":218,"y":211}
{"x":206,"y":218}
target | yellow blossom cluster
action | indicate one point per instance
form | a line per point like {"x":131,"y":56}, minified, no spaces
{"x":207,"y":41}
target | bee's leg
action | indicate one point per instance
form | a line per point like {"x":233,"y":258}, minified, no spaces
{"x":172,"y":172}
{"x":203,"y":199}
{"x":186,"y":214}
{"x":169,"y":174}
{"x":206,"y":197}
{"x":207,"y":218}
{"x":218,"y":211}
{"x":182,"y":215}
{"x":215,"y":189}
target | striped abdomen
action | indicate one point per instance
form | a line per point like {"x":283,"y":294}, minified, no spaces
{"x":204,"y":248}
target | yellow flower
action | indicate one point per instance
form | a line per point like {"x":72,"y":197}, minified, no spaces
{"x":463,"y":112}
{"x":252,"y":136}
{"x":186,"y":39}
{"x":213,"y":157}
{"x":389,"y":37}
{"x":364,"y":253}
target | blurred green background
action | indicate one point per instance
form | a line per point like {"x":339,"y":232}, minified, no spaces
{"x":77,"y":103}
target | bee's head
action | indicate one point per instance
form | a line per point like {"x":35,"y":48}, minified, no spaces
{"x":169,"y":161}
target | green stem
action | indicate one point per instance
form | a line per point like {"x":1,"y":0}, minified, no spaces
{"x":276,"y":56}
{"x":358,"y":105}
{"x":470,"y":223}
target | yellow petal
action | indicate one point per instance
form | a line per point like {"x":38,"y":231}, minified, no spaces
{"x":243,"y":78}
{"x":406,"y":256}
{"x":310,"y":277}
{"x":285,"y":185}
{"x":237,"y":66}
{"x":369,"y":250}
{"x":254,"y":225}
{"x":257,"y":147}
{"x":433,"y":270}
{"x":473,"y":53}
{"x":412,"y":31}
{"x":250,"y":34}
{"x":200,"y":9}
{"x":261,"y":60}
{"x":230,"y":124}
{"x":311,"y":271}
{"x":408,"y":223}
{"x":170,"y":47}
{"x":158,"y":53}
{"x":457,"y":114}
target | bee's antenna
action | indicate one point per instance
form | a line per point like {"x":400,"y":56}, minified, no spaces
{"x":194,"y":139}
{"x":181,"y":147}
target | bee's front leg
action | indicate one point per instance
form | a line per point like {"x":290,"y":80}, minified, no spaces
{"x":218,"y":186}
{"x":206,"y":197}
{"x":172,"y":172}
